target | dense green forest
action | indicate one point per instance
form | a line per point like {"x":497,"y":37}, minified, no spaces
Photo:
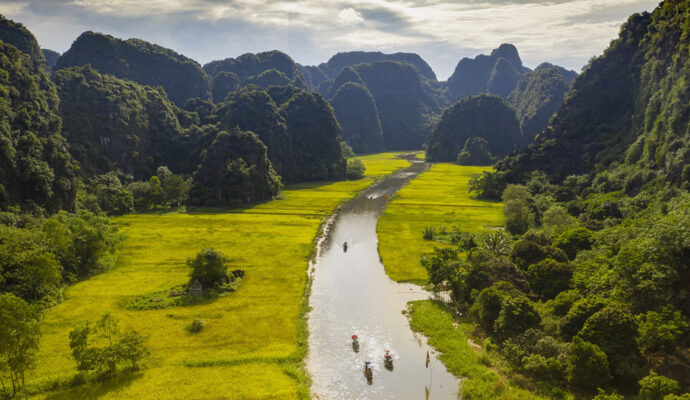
{"x":537,"y":96}
{"x":487,"y":117}
{"x":586,"y":290}
{"x":141,"y":62}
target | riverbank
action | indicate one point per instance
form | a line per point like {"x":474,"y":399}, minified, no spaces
{"x":452,"y":339}
{"x":252,"y":346}
{"x":437,"y":198}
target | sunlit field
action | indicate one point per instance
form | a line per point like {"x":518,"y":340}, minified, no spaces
{"x":437,"y":198}
{"x":255,"y":339}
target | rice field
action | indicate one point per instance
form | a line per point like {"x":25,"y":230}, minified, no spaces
{"x":255,"y":339}
{"x":437,"y":198}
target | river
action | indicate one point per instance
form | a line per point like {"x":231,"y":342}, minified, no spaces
{"x":352,"y":295}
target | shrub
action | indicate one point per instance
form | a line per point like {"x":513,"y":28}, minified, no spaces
{"x":517,"y":315}
{"x":355,"y":169}
{"x":488,"y":306}
{"x":662,"y":330}
{"x":547,"y":278}
{"x":196,"y":326}
{"x":428,"y":233}
{"x":574,"y":240}
{"x":656,"y":387}
{"x":209,"y":268}
{"x":587,"y":366}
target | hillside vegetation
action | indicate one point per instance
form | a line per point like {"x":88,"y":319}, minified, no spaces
{"x":139,"y":61}
{"x":584,"y":293}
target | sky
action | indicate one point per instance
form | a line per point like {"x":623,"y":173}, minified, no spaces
{"x":563,"y":32}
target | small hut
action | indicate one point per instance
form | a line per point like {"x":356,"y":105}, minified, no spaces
{"x":195,"y":289}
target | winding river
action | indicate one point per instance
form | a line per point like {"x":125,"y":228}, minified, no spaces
{"x":352,"y":295}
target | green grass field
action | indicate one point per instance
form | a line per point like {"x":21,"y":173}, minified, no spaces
{"x":480,"y":382}
{"x":438,"y":197}
{"x":255,"y":340}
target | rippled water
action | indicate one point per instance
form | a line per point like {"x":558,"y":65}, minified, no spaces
{"x":351,"y":295}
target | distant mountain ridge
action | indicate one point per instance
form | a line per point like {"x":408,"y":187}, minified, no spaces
{"x":139,"y":61}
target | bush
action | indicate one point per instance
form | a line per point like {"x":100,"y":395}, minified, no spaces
{"x":487,"y":186}
{"x":209,"y":268}
{"x":574,"y":240}
{"x":545,"y":369}
{"x":548,"y":278}
{"x":614,"y":330}
{"x":516,"y":316}
{"x":104,"y":360}
{"x":656,"y":387}
{"x":355,"y":169}
{"x":487,"y":307}
{"x":587,"y":366}
{"x":196,"y":326}
{"x":428,"y":233}
{"x":662,"y":330}
{"x":475,"y":152}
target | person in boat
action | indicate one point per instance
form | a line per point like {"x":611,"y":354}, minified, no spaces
{"x":368,"y":371}
{"x":388,"y":360}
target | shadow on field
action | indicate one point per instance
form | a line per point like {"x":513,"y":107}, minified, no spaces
{"x":95,"y":390}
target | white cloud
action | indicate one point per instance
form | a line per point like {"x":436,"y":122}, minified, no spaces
{"x":349,"y":17}
{"x":12,"y":7}
{"x":563,"y":31}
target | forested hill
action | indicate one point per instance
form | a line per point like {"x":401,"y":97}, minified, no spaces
{"x":335,"y":64}
{"x":18,"y":36}
{"x":35,"y":166}
{"x":271,"y":68}
{"x":139,"y":61}
{"x":630,"y":106}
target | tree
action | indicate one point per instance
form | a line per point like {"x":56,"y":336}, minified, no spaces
{"x":657,"y":387}
{"x":234,"y":169}
{"x":113,"y":197}
{"x":614,"y":330}
{"x":208,"y":267}
{"x":28,"y":268}
{"x":442,"y":266}
{"x":517,"y":315}
{"x":142,"y":196}
{"x":156,"y":191}
{"x":355,"y":169}
{"x":487,"y":306}
{"x":20,"y":334}
{"x":586,"y":365}
{"x":548,"y":277}
{"x":578,"y":314}
{"x":487,"y":186}
{"x":662,"y":331}
{"x":574,"y":240}
{"x":104,"y":360}
{"x":475,"y":152}
{"x":176,"y":189}
{"x":518,"y":217}
{"x":557,"y":219}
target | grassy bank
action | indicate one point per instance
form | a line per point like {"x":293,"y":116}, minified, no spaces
{"x":255,"y":339}
{"x":479,"y":382}
{"x":438,"y":197}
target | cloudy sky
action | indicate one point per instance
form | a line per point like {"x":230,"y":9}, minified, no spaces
{"x":565,"y":32}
